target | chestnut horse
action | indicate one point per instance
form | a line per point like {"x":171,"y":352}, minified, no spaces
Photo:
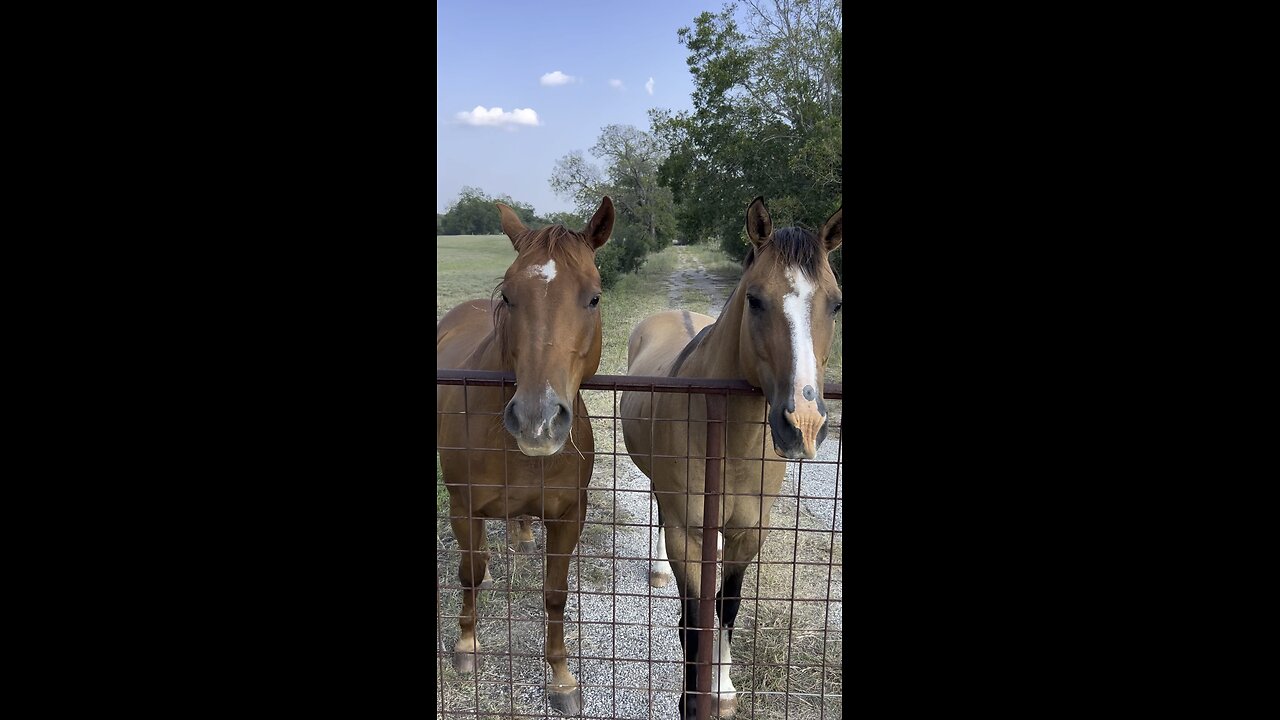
{"x":775,"y":332}
{"x":527,"y":451}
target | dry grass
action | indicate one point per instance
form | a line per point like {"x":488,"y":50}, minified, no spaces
{"x":788,"y":653}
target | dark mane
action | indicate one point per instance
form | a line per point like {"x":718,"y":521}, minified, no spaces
{"x":688,"y":349}
{"x":796,"y":247}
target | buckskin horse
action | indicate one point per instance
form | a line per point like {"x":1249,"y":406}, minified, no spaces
{"x":775,"y":332}
{"x":507,"y":453}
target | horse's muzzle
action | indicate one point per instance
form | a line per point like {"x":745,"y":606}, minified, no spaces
{"x":540,"y":426}
{"x":798,"y":434}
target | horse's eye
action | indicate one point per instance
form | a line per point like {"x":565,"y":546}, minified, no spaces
{"x":595,"y":301}
{"x":505,"y":300}
{"x":754,"y":302}
{"x":836,"y":309}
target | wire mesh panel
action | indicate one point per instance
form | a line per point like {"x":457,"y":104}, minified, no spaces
{"x":621,"y":632}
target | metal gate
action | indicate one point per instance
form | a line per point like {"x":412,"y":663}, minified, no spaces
{"x":622,"y":634}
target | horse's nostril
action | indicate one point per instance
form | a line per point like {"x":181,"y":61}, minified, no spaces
{"x":509,"y":417}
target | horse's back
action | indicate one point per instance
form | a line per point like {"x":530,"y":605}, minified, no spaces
{"x":460,"y":331}
{"x":658,"y":339}
{"x":652,"y":349}
{"x":458,"y":334}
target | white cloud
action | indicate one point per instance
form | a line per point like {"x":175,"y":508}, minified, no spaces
{"x":557,"y":78}
{"x":616,"y":84}
{"x":649,"y":86}
{"x":495,"y":117}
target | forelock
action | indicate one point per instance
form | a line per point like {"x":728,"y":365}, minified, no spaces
{"x":793,"y":247}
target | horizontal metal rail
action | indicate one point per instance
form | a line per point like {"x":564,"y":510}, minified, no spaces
{"x":450,"y":376}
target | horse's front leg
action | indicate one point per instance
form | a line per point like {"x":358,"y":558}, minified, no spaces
{"x":740,"y":548}
{"x":562,"y":537}
{"x":473,"y":566}
{"x":659,"y":569}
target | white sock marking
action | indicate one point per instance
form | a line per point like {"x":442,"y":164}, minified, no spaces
{"x":723,"y":663}
{"x":661,"y":566}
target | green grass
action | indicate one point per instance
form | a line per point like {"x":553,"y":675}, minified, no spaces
{"x":715,"y":261}
{"x":469,"y":266}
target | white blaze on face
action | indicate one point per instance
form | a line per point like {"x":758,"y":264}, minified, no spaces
{"x":551,"y":397}
{"x":797,"y":306}
{"x":546,"y":272}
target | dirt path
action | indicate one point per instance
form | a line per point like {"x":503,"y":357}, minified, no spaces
{"x":693,"y":288}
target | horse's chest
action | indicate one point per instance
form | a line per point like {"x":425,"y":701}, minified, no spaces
{"x":748,"y":490}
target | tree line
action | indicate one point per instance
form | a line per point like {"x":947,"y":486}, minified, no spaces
{"x":473,"y":213}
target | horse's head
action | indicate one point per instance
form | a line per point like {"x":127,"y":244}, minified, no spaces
{"x":548,"y":324}
{"x":789,"y":303}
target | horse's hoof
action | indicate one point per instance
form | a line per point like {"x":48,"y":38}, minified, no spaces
{"x":724,"y":706}
{"x":488,"y":583}
{"x":659,"y":579}
{"x":569,"y":703}
{"x":527,"y":546}
{"x":465,"y":663}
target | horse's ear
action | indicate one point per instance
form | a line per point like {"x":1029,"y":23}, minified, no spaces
{"x":832,"y":231}
{"x":759,"y":224}
{"x":511,"y":224}
{"x":600,"y":226}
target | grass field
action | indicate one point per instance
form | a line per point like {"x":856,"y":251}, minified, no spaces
{"x":469,"y":266}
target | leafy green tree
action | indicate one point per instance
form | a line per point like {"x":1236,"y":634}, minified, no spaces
{"x":766,"y":119}
{"x":571,"y":220}
{"x":523,"y":210}
{"x":645,"y":210}
{"x":473,"y":213}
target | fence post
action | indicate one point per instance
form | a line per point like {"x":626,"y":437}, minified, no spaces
{"x":710,"y":528}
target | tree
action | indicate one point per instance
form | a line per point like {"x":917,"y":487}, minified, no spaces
{"x":766,"y":119}
{"x":473,"y":213}
{"x":645,"y":210}
{"x":573,"y":221}
{"x":523,"y":210}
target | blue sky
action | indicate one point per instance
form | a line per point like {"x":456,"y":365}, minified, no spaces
{"x":556,"y":59}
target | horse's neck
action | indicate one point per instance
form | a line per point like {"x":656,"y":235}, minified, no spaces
{"x":717,"y":357}
{"x":487,"y":355}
